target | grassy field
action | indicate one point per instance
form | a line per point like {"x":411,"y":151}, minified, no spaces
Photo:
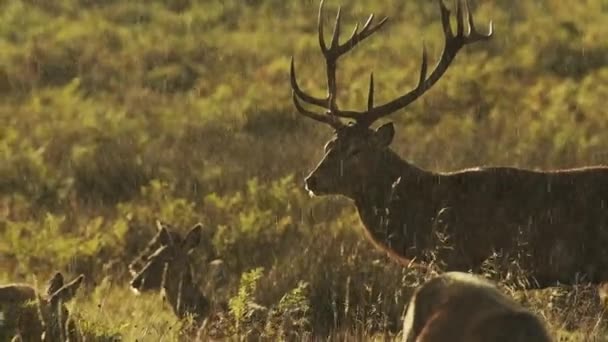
{"x":117,"y":113}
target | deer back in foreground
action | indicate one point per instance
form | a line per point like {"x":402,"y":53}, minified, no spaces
{"x":33,"y":316}
{"x":561,"y":215}
{"x":165,"y":265}
{"x":463,"y":307}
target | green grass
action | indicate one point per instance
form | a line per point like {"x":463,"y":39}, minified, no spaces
{"x":118,"y":113}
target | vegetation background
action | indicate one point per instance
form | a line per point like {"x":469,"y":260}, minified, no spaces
{"x":116,"y":113}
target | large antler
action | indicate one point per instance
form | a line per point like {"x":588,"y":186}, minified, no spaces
{"x":453,"y":44}
{"x":331,"y":54}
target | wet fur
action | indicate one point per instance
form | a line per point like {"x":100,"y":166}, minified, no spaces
{"x":462,"y":307}
{"x":178,"y":286}
{"x":33,"y":316}
{"x":557,"y":219}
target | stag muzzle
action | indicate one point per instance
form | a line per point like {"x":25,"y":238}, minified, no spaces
{"x":311,"y":184}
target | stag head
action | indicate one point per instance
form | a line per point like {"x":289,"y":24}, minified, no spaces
{"x":353,"y":156}
{"x":165,"y":259}
{"x":340,"y":171}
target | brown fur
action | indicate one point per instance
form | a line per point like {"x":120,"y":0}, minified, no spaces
{"x":560,"y":216}
{"x":167,"y":267}
{"x":165,"y":235}
{"x":557,"y":220}
{"x":39,"y":317}
{"x":458,"y":307}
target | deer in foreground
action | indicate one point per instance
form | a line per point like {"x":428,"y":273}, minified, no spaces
{"x":562,"y":215}
{"x":458,"y":306}
{"x":33,"y":316}
{"x":165,"y":265}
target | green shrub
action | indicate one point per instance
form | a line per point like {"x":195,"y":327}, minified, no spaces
{"x":119,"y":113}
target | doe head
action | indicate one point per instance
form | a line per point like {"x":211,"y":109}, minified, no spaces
{"x":54,"y":313}
{"x":168,"y":262}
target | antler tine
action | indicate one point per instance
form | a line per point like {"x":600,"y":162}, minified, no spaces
{"x":320,"y":28}
{"x":423,"y":66}
{"x":356,"y":30}
{"x":328,"y":119}
{"x":459,"y":20}
{"x":299,"y":92}
{"x":335,"y":39}
{"x":370,"y":94}
{"x":357,"y":37}
{"x":453,"y":44}
{"x":473,"y":35}
{"x":445,"y":20}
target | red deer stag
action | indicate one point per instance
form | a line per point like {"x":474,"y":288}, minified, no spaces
{"x":165,"y":265}
{"x":35,"y":317}
{"x":458,"y":306}
{"x":561,"y":215}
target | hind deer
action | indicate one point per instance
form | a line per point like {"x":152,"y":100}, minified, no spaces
{"x":32,"y":316}
{"x":458,"y":306}
{"x":562,"y":215}
{"x":165,"y":265}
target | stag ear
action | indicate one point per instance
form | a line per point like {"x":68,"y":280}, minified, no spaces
{"x":383,"y":136}
{"x":68,"y":291}
{"x":193,"y":238}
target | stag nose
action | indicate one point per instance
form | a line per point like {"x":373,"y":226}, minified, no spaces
{"x":310,"y":183}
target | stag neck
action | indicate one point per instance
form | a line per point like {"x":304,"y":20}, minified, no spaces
{"x":374,"y":204}
{"x":376,"y":193}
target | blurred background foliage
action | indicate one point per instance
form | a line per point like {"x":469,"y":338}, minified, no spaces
{"x":118,"y":113}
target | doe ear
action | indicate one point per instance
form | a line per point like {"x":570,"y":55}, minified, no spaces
{"x":163,"y":234}
{"x":54,"y":284}
{"x":193,"y":238}
{"x":383,"y":136}
{"x":159,"y":225}
{"x":68,"y":290}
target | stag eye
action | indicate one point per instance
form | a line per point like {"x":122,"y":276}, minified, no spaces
{"x":354,"y":152}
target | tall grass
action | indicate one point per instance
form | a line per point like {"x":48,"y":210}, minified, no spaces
{"x":118,"y":113}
